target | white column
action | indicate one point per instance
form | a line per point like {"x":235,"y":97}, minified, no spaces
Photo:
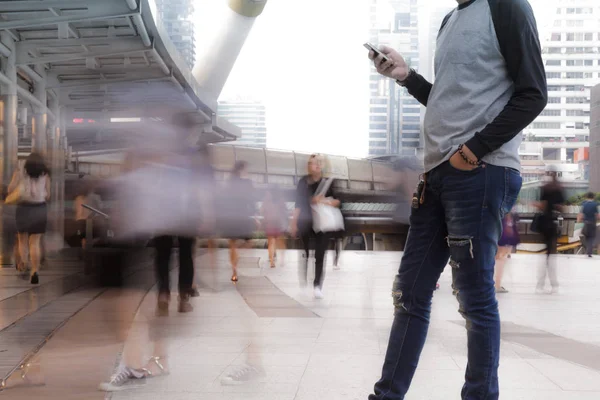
{"x":214,"y":65}
{"x":9,"y":143}
{"x":54,"y":137}
{"x":61,"y":172}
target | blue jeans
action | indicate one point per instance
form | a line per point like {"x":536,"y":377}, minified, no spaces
{"x":461,"y":221}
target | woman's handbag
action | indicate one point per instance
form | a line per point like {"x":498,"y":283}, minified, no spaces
{"x":326,"y":218}
{"x":22,"y":193}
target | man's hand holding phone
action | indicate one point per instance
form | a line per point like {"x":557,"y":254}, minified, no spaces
{"x":389,"y":62}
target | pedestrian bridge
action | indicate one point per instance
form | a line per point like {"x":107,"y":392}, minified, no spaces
{"x":354,"y":177}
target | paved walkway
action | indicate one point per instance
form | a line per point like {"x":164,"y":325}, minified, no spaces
{"x":323,"y":349}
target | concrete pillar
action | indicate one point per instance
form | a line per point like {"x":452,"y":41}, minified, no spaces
{"x":61,"y":173}
{"x":40,"y":117}
{"x":9,"y":143}
{"x":54,"y":137}
{"x":214,"y":65}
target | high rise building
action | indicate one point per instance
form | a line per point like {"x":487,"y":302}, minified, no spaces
{"x":595,"y":140}
{"x":571,"y":52}
{"x":250,"y":116}
{"x":176,"y":16}
{"x":394,"y":115}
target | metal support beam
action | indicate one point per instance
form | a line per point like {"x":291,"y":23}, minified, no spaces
{"x":161,"y":62}
{"x":141,"y":78}
{"x":103,"y":48}
{"x":33,"y":75}
{"x":96,"y":10}
{"x":14,"y":34}
{"x":5,"y":51}
{"x":132,"y":4}
{"x":27,"y":96}
{"x":138,"y":22}
{"x":141,"y":29}
{"x":110,"y":69}
{"x":72,"y":31}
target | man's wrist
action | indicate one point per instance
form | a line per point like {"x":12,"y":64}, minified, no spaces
{"x":477,"y":147}
{"x":467,"y":155}
{"x":402,"y":82}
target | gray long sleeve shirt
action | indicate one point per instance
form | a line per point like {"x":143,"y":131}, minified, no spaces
{"x":490,"y":83}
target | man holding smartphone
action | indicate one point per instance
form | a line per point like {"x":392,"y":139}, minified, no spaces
{"x":490,"y":84}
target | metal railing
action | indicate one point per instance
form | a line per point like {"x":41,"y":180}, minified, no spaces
{"x":89,"y":225}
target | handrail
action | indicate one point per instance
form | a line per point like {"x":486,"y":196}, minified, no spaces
{"x":94,"y":210}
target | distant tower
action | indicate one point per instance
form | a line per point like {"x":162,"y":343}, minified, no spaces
{"x":394,"y":115}
{"x":176,"y":16}
{"x":250,"y":116}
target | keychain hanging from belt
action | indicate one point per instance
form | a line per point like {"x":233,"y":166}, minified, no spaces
{"x":419,"y":195}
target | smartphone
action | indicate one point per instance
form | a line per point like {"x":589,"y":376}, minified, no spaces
{"x":375,"y":50}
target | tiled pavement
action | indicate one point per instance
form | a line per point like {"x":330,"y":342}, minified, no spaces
{"x":325,"y":349}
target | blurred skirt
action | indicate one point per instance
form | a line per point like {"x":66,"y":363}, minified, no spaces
{"x":32,"y":218}
{"x":238,"y":228}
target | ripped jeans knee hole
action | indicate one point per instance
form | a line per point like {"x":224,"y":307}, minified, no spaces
{"x":461,"y":248}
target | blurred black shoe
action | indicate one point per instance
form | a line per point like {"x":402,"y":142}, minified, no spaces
{"x":184,"y":304}
{"x":162,"y":305}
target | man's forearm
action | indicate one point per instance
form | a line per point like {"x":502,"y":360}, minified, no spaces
{"x":417,"y":86}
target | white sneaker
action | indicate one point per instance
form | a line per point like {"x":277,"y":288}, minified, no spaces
{"x":243,"y":374}
{"x":554,"y":290}
{"x":318,"y":293}
{"x":540,"y":291}
{"x":128,"y":378}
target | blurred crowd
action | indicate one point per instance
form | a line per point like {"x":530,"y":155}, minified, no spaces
{"x":167,"y":196}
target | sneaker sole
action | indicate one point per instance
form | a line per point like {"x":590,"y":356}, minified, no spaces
{"x":110,"y":389}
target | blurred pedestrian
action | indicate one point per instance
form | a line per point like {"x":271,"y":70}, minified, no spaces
{"x":338,"y":247}
{"x":30,"y":190}
{"x":508,"y":241}
{"x":302,"y":221}
{"x":551,"y":202}
{"x":589,"y":216}
{"x":238,"y":209}
{"x":166,"y":191}
{"x":275,"y":220}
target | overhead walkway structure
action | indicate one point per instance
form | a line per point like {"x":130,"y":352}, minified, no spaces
{"x":69,"y":67}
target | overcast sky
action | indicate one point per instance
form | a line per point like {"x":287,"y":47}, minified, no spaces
{"x":305,"y":60}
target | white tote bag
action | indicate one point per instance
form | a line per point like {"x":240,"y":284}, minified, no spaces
{"x":326,"y":218}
